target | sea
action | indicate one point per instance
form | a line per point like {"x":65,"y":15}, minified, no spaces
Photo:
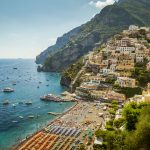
{"x":28,"y":85}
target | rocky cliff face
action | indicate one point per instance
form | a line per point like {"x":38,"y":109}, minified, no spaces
{"x":78,"y":42}
{"x":61,"y":41}
{"x":65,"y":81}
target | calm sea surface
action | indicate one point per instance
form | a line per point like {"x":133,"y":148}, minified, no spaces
{"x":14,"y":121}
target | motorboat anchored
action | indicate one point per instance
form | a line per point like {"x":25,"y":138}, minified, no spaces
{"x":28,"y":103}
{"x":6,"y":102}
{"x":7,"y":90}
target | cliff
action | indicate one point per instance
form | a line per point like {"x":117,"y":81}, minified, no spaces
{"x":78,"y":42}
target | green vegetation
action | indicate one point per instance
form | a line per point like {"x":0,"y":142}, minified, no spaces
{"x":81,"y":147}
{"x":110,"y":81}
{"x":139,"y":139}
{"x":141,"y":74}
{"x":129,"y":92}
{"x":72,"y":71}
{"x":137,"y":132}
{"x":113,"y":140}
{"x":119,"y":122}
{"x":131,"y":113}
{"x":112,"y":111}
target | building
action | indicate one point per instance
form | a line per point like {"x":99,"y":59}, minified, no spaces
{"x":125,"y":63}
{"x":112,"y":67}
{"x":133,"y":27}
{"x":145,"y":97}
{"x":89,"y":77}
{"x":126,"y":82}
{"x":148,"y":66}
{"x":116,"y":96}
{"x":124,"y":49}
{"x":139,"y":58}
{"x":92,"y":85}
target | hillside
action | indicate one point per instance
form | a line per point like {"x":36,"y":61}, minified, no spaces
{"x":110,"y":21}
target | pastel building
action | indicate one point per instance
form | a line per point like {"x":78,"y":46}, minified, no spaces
{"x":126,"y":82}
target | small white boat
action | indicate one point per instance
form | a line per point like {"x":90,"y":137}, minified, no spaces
{"x":21,"y":117}
{"x":14,"y":105}
{"x":31,"y":116}
{"x":6,"y":102}
{"x":8,"y":90}
{"x":14,"y":121}
{"x":28,"y":103}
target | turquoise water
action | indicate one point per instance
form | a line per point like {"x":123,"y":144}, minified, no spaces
{"x":12,"y":127}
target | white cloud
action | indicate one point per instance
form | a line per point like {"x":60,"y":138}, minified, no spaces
{"x":91,"y":2}
{"x":101,"y":4}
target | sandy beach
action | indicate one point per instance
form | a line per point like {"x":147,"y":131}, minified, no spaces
{"x":83,"y":116}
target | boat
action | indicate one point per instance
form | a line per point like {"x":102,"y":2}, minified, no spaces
{"x":31,"y":116}
{"x":14,"y":105}
{"x":15,"y":68}
{"x":20,"y":103}
{"x":6,"y":102}
{"x":14,"y":84}
{"x":21,"y":117}
{"x":51,"y":97}
{"x":38,"y":87}
{"x":8,"y":90}
{"x":14,"y":121}
{"x":28,"y":103}
{"x":53,"y":113}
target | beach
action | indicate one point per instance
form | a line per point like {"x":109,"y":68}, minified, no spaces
{"x":81,"y":119}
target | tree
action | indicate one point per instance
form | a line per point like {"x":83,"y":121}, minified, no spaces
{"x":131,"y":113}
{"x":82,"y":147}
{"x":119,"y":122}
{"x":140,"y":138}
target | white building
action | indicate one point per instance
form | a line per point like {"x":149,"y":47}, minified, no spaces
{"x":139,"y":58}
{"x":113,"y":67}
{"x":126,"y":82}
{"x":125,"y":49}
{"x":133,"y":27}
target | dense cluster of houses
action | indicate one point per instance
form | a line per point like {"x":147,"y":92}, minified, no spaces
{"x":115,"y":61}
{"x":145,"y":97}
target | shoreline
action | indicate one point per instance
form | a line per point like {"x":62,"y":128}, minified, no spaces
{"x":15,"y":146}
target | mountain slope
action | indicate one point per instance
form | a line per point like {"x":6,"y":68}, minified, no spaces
{"x":61,"y":41}
{"x":110,"y":21}
{"x":138,"y":8}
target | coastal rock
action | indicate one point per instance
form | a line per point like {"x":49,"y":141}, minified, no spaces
{"x":65,"y":81}
{"x":39,"y":69}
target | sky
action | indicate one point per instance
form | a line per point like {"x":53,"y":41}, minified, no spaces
{"x":27,"y":27}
